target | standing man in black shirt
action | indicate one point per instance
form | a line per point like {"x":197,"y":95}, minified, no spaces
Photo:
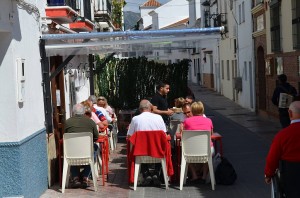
{"x":283,"y":87}
{"x":160,"y":103}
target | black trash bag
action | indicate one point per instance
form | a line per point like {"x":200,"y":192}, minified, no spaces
{"x":225,"y":173}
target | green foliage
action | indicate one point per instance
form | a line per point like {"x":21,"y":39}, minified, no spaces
{"x":124,"y":82}
{"x":117,"y":11}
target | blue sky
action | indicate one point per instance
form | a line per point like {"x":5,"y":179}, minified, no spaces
{"x":133,"y":5}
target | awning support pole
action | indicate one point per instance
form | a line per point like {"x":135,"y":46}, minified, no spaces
{"x":91,"y":65}
{"x":46,"y":87}
{"x":61,"y":66}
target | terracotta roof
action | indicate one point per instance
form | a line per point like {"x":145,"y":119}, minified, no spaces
{"x":151,"y":3}
{"x":181,"y":22}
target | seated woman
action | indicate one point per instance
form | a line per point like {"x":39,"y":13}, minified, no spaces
{"x":89,"y":113}
{"x":102,"y":102}
{"x":198,"y":122}
{"x":178,"y":113}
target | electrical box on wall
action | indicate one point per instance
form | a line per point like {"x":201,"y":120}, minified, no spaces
{"x":238,"y":83}
{"x":21,"y":78}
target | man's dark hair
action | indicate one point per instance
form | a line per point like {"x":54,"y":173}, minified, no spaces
{"x":190,"y":97}
{"x":282,"y":78}
{"x":161,"y":84}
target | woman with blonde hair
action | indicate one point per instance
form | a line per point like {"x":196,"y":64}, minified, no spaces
{"x":198,"y":122}
{"x":178,"y":114}
{"x":102,"y":102}
{"x":89,"y":113}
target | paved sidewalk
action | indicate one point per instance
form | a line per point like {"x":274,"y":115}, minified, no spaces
{"x":246,"y":141}
{"x":265,"y":127}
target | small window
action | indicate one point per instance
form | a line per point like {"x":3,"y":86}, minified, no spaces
{"x":231,"y":4}
{"x":233,"y":72}
{"x":194,"y":67}
{"x":240,"y":14}
{"x":275,"y":17}
{"x":222,"y":65}
{"x":245,"y":69}
{"x":228,"y":70}
{"x":243,"y":11}
{"x":296,"y":24}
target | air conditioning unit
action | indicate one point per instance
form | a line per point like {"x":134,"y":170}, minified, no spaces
{"x":238,"y":83}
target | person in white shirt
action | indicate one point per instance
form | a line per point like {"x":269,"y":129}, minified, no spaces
{"x":146,"y":121}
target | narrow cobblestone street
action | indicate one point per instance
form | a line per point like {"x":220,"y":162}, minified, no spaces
{"x":246,"y":140}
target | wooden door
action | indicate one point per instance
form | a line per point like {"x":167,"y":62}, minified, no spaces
{"x":59,"y":110}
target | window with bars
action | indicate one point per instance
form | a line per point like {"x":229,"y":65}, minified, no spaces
{"x":222,"y":65}
{"x":228,"y":70}
{"x":296,"y":23}
{"x":246,"y":70}
{"x":243,"y":11}
{"x":194,"y":67}
{"x":275,"y":16}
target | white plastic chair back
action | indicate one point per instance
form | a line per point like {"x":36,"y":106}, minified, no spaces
{"x":149,"y":160}
{"x":196,"y":149}
{"x":78,"y":150}
{"x":174,"y":128}
{"x":196,"y":145}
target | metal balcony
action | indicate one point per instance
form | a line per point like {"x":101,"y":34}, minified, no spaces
{"x":102,"y":10}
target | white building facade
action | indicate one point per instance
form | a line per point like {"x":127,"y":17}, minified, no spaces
{"x":237,"y":65}
{"x":246,"y":97}
{"x":23,"y":147}
{"x":27,"y":149}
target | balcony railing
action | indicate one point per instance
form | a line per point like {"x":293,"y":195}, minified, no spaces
{"x":75,"y":5}
{"x":102,"y":7}
{"x":71,"y":3}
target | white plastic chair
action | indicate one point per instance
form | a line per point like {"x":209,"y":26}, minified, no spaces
{"x":174,"y":128}
{"x":98,"y":163}
{"x":78,"y":151}
{"x":196,"y":149}
{"x":115,"y":132}
{"x":149,"y":160}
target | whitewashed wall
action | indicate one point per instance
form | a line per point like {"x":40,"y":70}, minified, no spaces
{"x":20,"y":39}
{"x":227,"y":50}
{"x":246,"y":58}
{"x":171,"y":12}
{"x":146,"y":10}
{"x":80,"y":80}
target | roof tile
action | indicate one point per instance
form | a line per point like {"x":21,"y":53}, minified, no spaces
{"x":151,"y":3}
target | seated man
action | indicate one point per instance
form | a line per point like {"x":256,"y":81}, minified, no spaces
{"x":76,"y":124}
{"x":285,"y":148}
{"x":147,"y":121}
{"x":189,"y":99}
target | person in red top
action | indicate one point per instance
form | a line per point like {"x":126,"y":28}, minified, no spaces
{"x":285,"y":149}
